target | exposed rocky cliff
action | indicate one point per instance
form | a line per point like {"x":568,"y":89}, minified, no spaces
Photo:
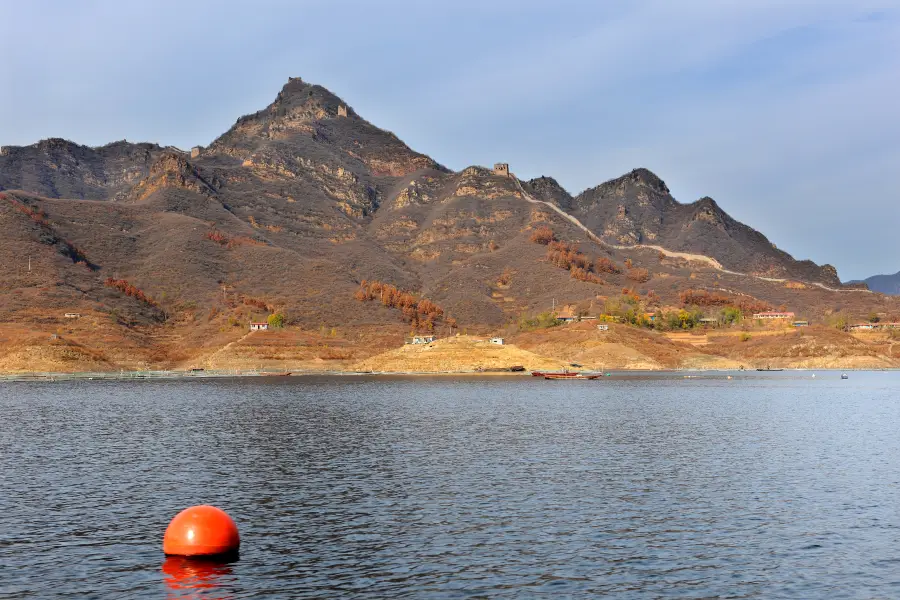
{"x":296,"y":204}
{"x":59,"y":168}
{"x":549,"y":190}
{"x":638,"y":208}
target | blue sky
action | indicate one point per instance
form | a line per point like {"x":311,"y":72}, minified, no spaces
{"x":783,"y":111}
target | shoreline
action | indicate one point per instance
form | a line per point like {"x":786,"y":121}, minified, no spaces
{"x":181,"y":375}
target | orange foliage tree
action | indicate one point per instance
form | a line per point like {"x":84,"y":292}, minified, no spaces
{"x":747,"y":304}
{"x":420,"y":312}
{"x":129,"y":290}
{"x":639,"y":275}
{"x":231,"y":242}
{"x":542,"y":235}
{"x":605,"y":265}
{"x":566,"y":255}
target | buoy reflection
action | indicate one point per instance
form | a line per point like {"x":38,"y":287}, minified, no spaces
{"x":196,"y":578}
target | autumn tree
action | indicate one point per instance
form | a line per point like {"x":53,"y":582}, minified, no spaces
{"x":639,"y":275}
{"x":542,"y":235}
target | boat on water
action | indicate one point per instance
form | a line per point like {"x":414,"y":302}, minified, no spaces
{"x":844,"y":376}
{"x":276,"y":374}
{"x":769,"y":369}
{"x":556,"y":374}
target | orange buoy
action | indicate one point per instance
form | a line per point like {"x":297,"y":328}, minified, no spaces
{"x":201,"y":531}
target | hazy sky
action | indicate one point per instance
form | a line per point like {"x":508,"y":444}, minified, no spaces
{"x":786,"y":112}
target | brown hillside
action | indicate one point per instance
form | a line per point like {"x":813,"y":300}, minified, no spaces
{"x":621,"y":347}
{"x":638,"y":209}
{"x":298,"y":203}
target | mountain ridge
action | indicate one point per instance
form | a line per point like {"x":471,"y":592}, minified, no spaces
{"x":294,"y":206}
{"x":885,"y":284}
{"x":308,"y":122}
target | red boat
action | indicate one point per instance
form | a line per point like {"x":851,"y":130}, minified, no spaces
{"x":569,"y":376}
{"x":565,"y":373}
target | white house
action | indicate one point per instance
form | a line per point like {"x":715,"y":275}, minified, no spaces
{"x":420,"y":339}
{"x":259,"y":326}
{"x":497,"y":340}
{"x":602,"y":327}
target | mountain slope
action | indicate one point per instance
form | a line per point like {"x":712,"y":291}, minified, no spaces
{"x":638,"y":208}
{"x":168,"y":254}
{"x":58,"y":168}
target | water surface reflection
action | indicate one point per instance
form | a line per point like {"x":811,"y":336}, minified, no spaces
{"x":656,"y":487}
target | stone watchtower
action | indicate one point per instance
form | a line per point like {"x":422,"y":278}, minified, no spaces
{"x":195,"y":151}
{"x":501,"y":169}
{"x":342,"y":111}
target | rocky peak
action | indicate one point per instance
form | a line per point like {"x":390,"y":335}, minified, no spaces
{"x":58,"y":168}
{"x":481,"y":182}
{"x":173,"y":170}
{"x":641,"y":184}
{"x":299,"y":97}
{"x":126,"y":148}
{"x":549,"y":190}
{"x":307,"y":120}
{"x":297,"y":102}
{"x":58,"y":145}
{"x":647,"y":178}
{"x":705,"y":209}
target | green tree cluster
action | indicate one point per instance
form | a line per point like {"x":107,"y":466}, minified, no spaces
{"x":540,"y":321}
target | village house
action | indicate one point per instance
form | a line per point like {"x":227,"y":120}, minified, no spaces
{"x":774,"y":315}
{"x":801,"y":323}
{"x":420,"y":339}
{"x":602,"y":327}
{"x":73,"y":315}
{"x":566,"y":315}
{"x":259,"y":326}
{"x":498,"y":340}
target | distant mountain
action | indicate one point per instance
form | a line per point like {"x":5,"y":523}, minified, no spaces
{"x":886,"y":284}
{"x":296,"y":204}
{"x":637,"y":208}
{"x":59,"y":168}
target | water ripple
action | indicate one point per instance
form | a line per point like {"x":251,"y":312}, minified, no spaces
{"x":754,"y":488}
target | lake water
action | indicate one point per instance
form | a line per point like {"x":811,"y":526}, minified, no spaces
{"x":763,"y":486}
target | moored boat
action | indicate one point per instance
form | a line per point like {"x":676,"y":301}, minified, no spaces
{"x":570,"y":376}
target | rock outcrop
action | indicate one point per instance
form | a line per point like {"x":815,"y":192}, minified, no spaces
{"x":638,"y":208}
